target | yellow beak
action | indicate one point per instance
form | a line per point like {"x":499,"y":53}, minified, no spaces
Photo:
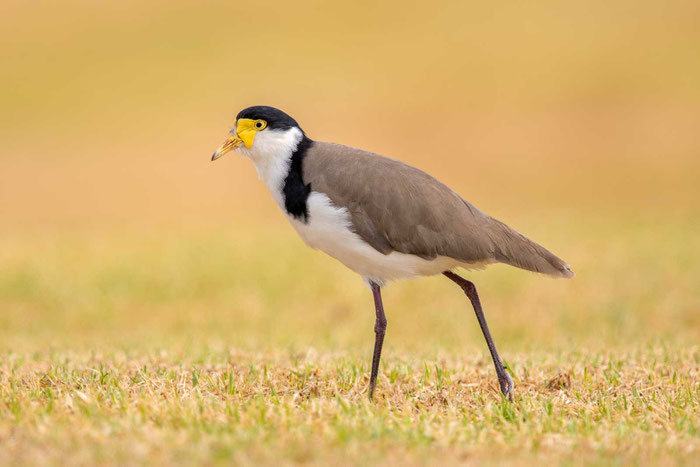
{"x":245,"y":133}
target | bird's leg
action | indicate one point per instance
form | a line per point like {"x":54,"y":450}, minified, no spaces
{"x":504,"y":379}
{"x":379,"y":330}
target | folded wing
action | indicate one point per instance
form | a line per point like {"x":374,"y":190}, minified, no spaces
{"x":396,"y":207}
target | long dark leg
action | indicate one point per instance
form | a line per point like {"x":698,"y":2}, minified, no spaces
{"x":504,"y":379}
{"x":379,"y":330}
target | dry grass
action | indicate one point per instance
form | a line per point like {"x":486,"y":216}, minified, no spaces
{"x":252,"y":408}
{"x":188,"y":347}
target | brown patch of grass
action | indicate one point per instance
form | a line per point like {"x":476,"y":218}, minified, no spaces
{"x":561,"y":381}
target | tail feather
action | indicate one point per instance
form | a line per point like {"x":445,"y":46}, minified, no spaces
{"x":513,"y":248}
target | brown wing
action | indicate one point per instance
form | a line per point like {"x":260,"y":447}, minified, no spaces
{"x":396,"y":207}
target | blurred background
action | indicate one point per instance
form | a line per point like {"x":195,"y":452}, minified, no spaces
{"x":577,"y":123}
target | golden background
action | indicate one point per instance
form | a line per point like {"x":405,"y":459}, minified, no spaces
{"x":577,"y":123}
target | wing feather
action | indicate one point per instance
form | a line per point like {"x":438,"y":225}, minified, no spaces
{"x":396,"y":207}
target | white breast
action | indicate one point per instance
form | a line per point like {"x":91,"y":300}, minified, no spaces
{"x":329,"y":230}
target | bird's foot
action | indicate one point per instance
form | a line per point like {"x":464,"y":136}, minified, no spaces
{"x":506,"y":383}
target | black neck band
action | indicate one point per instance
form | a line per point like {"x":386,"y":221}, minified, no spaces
{"x":294,"y":190}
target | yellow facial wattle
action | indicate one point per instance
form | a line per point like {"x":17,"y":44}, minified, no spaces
{"x":246,"y":129}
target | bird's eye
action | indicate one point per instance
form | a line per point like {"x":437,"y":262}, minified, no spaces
{"x":260,"y":124}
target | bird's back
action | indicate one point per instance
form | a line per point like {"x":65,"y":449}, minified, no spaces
{"x":396,"y":207}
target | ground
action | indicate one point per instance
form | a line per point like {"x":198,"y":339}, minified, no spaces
{"x":182,"y":348}
{"x":267,"y":408}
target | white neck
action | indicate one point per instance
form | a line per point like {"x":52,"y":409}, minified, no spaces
{"x":271,"y":153}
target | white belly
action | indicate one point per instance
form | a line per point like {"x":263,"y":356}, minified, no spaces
{"x":328,"y":229}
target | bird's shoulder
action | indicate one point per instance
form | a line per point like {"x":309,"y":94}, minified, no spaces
{"x":358,"y":170}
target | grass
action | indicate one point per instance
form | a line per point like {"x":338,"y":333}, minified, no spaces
{"x":189,"y":346}
{"x":278,"y":407}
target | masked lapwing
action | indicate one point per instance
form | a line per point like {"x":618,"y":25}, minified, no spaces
{"x":381,"y":218}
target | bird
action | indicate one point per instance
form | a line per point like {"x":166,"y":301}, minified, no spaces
{"x":380,"y":217}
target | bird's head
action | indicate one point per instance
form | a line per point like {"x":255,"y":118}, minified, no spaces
{"x":261,"y":131}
